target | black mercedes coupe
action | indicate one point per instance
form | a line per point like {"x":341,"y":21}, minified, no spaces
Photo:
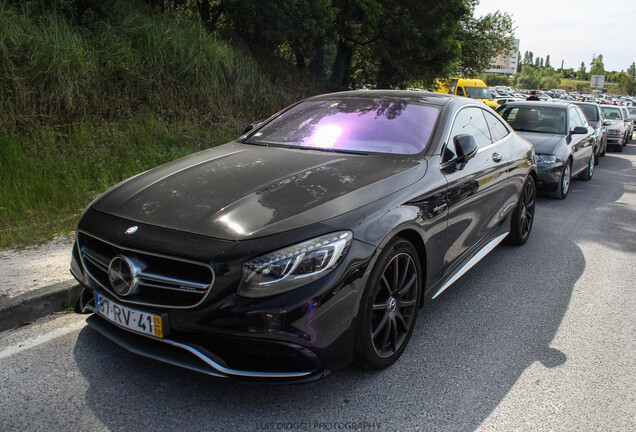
{"x":310,"y":242}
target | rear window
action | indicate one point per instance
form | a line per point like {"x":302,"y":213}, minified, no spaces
{"x":365,"y":125}
{"x":612,"y":113}
{"x":591,"y":113}
{"x":535,"y":119}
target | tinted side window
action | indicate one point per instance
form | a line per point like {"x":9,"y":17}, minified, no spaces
{"x":468,"y":121}
{"x":497,"y":128}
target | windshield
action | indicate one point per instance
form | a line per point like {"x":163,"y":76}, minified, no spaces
{"x":612,"y":113}
{"x":591,"y":113}
{"x":632,"y":111}
{"x":368,"y":125}
{"x":535,"y":119}
{"x":477,"y":92}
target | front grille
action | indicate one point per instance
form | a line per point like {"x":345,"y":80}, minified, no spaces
{"x":161,"y":281}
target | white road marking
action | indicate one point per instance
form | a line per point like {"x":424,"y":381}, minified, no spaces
{"x":39,"y":340}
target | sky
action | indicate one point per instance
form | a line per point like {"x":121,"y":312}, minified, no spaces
{"x":572,"y":30}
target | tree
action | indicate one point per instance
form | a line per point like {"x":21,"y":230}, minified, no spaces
{"x":547,"y":61}
{"x":581,"y":74}
{"x":482,"y":39}
{"x":344,"y":43}
{"x":596,"y":66}
{"x":527,"y":58}
{"x":631,"y":71}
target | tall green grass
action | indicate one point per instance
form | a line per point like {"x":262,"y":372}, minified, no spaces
{"x":88,"y":100}
{"x":43,"y":190}
{"x":53,"y":71}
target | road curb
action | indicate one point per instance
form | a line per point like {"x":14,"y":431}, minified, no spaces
{"x":33,"y":305}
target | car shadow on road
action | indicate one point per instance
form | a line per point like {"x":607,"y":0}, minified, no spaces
{"x":599,"y":210}
{"x":468,"y":349}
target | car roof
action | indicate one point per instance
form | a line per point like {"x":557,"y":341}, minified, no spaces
{"x":585,"y":103}
{"x":429,"y":98}
{"x":562,"y":105}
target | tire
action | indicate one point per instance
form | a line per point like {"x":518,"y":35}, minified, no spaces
{"x":564,"y":183}
{"x":597,"y":158}
{"x":604,"y":150}
{"x":589,"y":171}
{"x":523,"y":215}
{"x":389,"y":306}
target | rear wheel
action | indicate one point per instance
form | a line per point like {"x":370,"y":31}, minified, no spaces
{"x":389,"y":306}
{"x":564,"y":184}
{"x":523,"y":214}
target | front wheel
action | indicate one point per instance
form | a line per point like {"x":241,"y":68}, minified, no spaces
{"x":589,"y":172}
{"x":389,"y":306}
{"x":523,"y":214}
{"x":564,"y":184}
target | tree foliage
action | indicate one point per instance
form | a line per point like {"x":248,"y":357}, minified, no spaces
{"x":346,"y":43}
{"x":596,"y":66}
{"x":482,"y":39}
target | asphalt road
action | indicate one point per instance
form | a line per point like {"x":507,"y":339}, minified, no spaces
{"x":541,"y":337}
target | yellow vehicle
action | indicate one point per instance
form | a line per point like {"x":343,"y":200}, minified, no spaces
{"x":472,"y":88}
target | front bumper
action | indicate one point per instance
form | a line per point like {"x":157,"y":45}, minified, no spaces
{"x":615,"y":140}
{"x":549,"y":175}
{"x":296,"y":336}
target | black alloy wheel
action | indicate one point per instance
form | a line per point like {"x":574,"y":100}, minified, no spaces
{"x":389,"y":306}
{"x":523,"y":215}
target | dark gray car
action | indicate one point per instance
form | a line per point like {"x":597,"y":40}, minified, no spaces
{"x":594,"y":115}
{"x":310,"y":242}
{"x":562,"y":138}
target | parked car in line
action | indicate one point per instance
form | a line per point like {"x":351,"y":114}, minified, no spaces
{"x":308,"y":243}
{"x":504,"y":100}
{"x":629,"y":122}
{"x":617,"y":129}
{"x":594,"y":115}
{"x":472,"y":88}
{"x":562,"y":138}
{"x":632,"y":114}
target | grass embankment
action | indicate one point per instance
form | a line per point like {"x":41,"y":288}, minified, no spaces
{"x":86,"y":101}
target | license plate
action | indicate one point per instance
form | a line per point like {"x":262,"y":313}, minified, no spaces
{"x":132,"y":319}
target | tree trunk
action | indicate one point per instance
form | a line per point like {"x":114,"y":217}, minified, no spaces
{"x":341,"y":71}
{"x":317,"y":64}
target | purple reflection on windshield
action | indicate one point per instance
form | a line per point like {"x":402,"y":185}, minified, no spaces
{"x":365,"y":125}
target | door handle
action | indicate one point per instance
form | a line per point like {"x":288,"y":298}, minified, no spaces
{"x":497,"y":157}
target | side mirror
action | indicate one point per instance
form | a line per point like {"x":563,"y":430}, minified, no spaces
{"x":607,"y":122}
{"x":466,"y":149}
{"x":579,"y":130}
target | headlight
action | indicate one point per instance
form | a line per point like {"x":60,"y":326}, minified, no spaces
{"x":548,"y":159}
{"x":614,"y":132}
{"x":293,"y":266}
